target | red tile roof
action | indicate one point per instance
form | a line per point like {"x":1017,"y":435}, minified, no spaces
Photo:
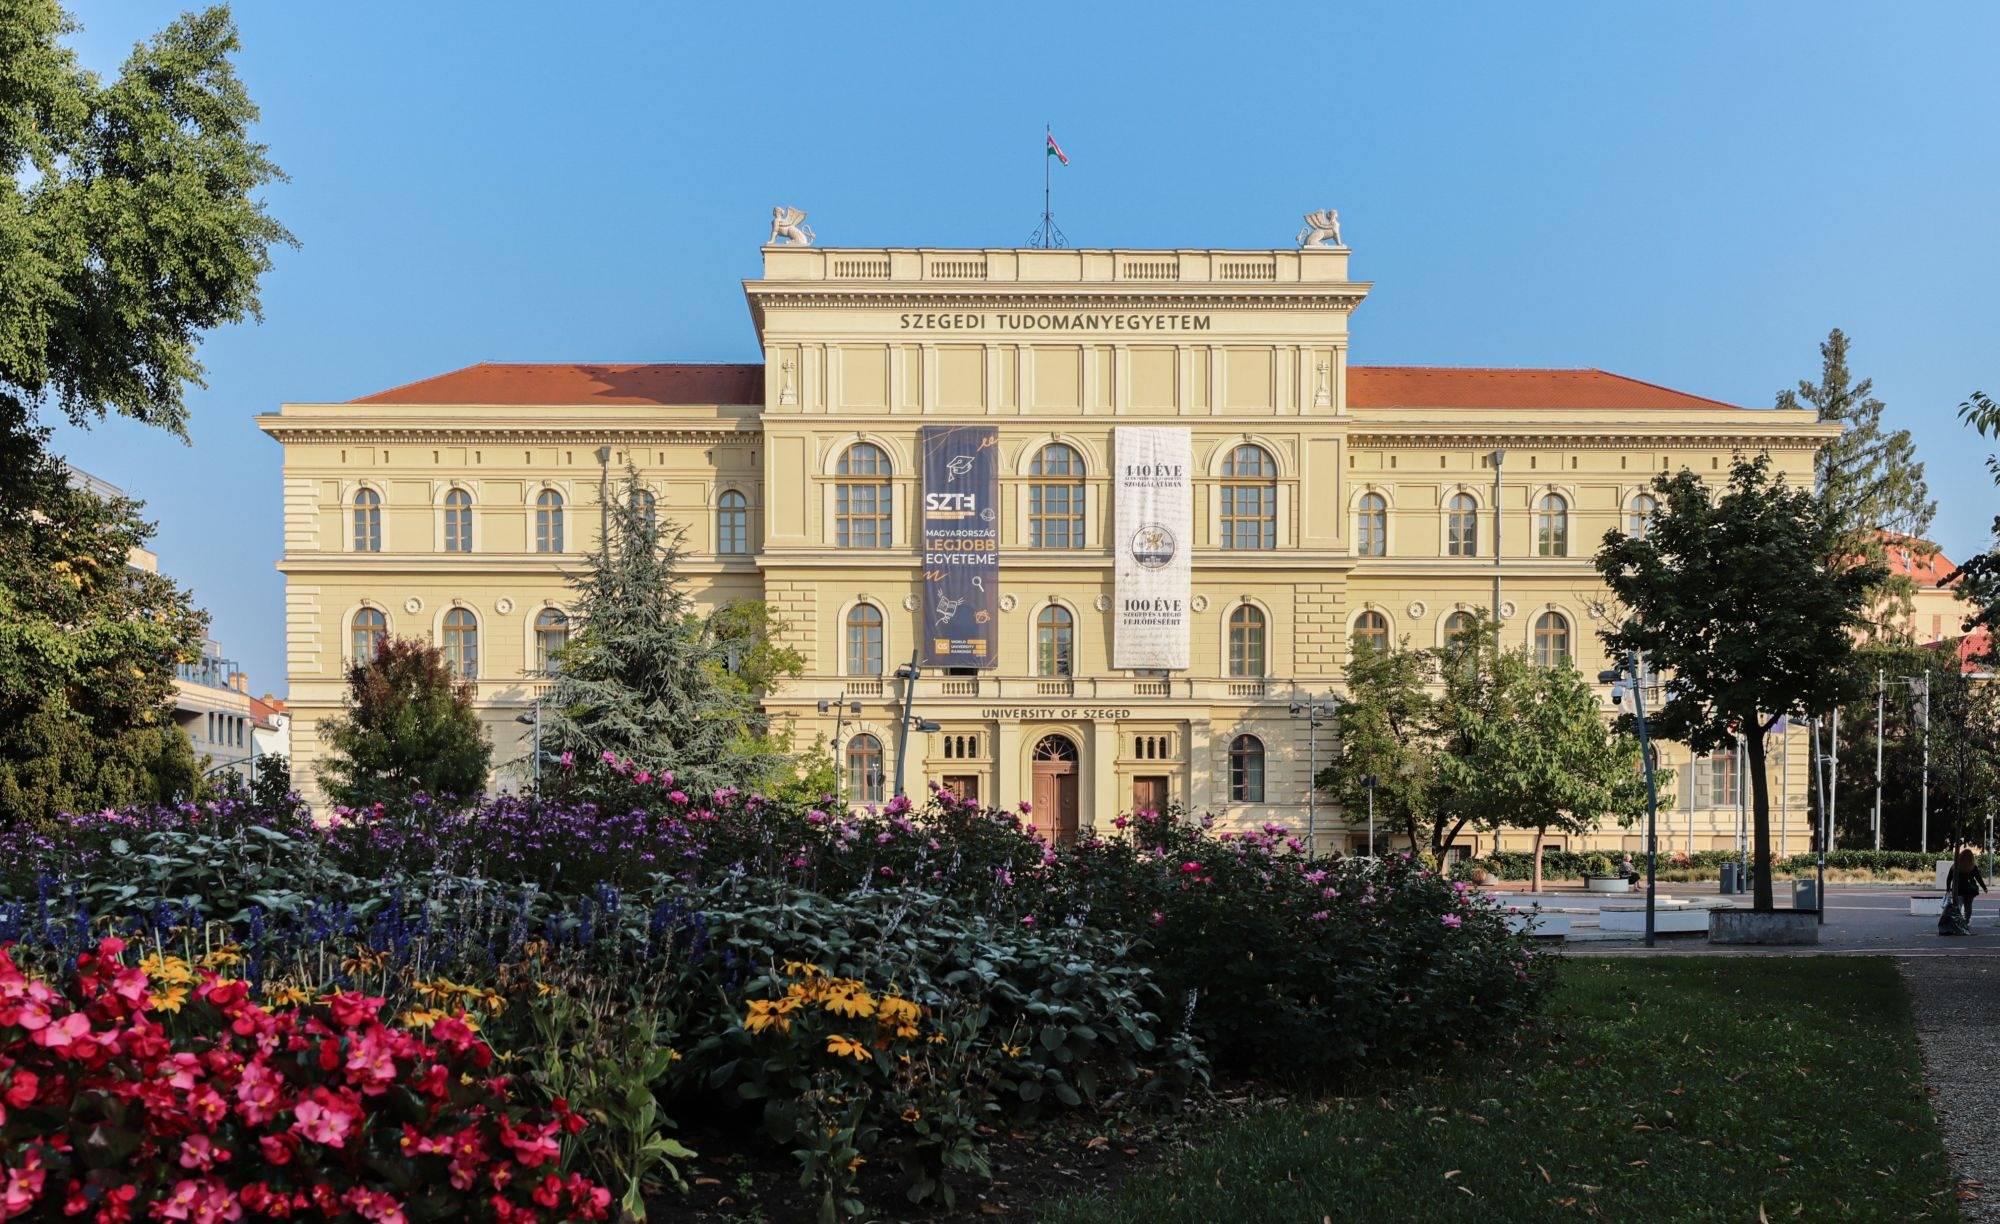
{"x":571,"y":383}
{"x":1367,"y":387}
{"x":1473,"y":387}
{"x":1909,"y":557}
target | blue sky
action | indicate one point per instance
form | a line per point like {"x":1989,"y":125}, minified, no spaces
{"x":1690,"y":194}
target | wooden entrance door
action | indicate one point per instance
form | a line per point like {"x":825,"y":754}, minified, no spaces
{"x":964,"y":786}
{"x":1055,"y":804}
{"x":1149,"y":793}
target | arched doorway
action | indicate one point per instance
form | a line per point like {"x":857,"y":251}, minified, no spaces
{"x":1055,"y":803}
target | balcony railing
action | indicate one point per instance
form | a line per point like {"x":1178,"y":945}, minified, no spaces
{"x":1094,"y":689}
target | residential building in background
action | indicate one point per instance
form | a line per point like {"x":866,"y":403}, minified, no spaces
{"x":1124,"y":508}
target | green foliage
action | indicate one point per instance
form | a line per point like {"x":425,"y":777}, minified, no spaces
{"x":1978,"y":578}
{"x":647,"y":678}
{"x":1731,"y":596}
{"x":88,"y":643}
{"x":408,"y":728}
{"x":1468,"y":734}
{"x":1964,"y":755}
{"x":606,"y":1050}
{"x":129,"y":222}
{"x":54,"y":762}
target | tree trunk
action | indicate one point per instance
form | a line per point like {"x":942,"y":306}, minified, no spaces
{"x":1540,"y":833}
{"x":1760,"y":818}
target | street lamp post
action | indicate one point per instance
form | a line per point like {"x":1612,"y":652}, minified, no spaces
{"x":1633,"y":677}
{"x":908,"y":674}
{"x":840,"y":710}
{"x":1315,"y":710}
{"x":535,"y":763}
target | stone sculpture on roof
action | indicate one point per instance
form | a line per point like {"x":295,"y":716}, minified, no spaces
{"x":1322,"y":229}
{"x":789,"y":223}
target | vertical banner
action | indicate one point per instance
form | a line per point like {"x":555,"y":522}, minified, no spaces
{"x":960,"y":619}
{"x":1153,"y":522}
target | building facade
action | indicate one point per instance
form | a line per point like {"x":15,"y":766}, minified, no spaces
{"x":1313,"y":506}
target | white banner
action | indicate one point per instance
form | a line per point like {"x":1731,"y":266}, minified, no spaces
{"x":1154,"y":526}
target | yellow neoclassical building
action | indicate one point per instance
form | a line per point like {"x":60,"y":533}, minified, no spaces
{"x":1125,"y":509}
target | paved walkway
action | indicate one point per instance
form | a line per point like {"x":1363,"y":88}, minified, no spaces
{"x":1961,"y":1043}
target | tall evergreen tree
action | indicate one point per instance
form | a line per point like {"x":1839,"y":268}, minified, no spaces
{"x":1736,"y":597}
{"x":409,"y":728}
{"x":646,"y":677}
{"x":1869,"y":477}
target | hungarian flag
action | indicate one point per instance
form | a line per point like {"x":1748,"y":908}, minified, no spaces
{"x":1055,"y":150}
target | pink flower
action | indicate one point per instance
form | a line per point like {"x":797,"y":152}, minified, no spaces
{"x":1321,"y":915}
{"x":200,"y":1152}
{"x":1158,"y":918}
{"x":816,"y":817}
{"x":567,"y":760}
{"x":1027,"y":920}
{"x":677,"y":796}
{"x":608,"y":757}
{"x":323,"y":1118}
{"x":1453,"y":921}
{"x":643,"y":776}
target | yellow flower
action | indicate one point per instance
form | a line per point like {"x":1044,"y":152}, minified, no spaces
{"x":420,"y":1017}
{"x":802,"y":969}
{"x":288,"y":996}
{"x":169,"y":969}
{"x":170,"y":999}
{"x":912,"y":1115}
{"x":673,"y":1056}
{"x":1013,"y":1051}
{"x":856,"y":1163}
{"x":898,"y":1011}
{"x":846,"y":1047}
{"x":758,"y":1021}
{"x":855,"y":1006}
{"x":227,"y":954}
{"x":937,"y":1039}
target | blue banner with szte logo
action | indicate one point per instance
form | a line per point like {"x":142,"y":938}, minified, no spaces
{"x":959,"y":623}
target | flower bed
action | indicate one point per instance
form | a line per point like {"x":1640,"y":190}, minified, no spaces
{"x":871,"y":991}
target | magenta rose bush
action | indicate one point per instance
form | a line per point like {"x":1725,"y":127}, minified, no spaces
{"x":117,"y":1103}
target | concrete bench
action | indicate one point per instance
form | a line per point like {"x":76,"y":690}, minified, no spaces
{"x":1542,"y":924}
{"x":1675,"y":919}
{"x":1926,"y":905}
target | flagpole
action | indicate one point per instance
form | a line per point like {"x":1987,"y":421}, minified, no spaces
{"x":1048,"y":171}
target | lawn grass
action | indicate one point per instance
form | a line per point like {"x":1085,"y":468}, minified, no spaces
{"x":1703,"y":1088}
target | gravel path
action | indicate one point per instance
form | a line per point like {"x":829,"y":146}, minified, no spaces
{"x":1960,"y":1036}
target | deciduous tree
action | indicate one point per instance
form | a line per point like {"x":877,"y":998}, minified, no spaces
{"x":1740,"y":599}
{"x":409,"y":728}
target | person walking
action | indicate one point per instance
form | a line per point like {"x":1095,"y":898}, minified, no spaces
{"x":1961,"y":884}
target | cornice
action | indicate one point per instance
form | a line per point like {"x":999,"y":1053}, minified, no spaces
{"x":1361,"y":437}
{"x":422,"y":433}
{"x":1112,"y":297}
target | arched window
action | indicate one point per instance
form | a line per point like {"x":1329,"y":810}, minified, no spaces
{"x":548,"y":521}
{"x":647,"y":505}
{"x":1552,"y":526}
{"x":864,"y":640}
{"x":1371,"y":526}
{"x":864,"y":769}
{"x":1639,"y":516}
{"x":1551,"y":639}
{"x":551,"y":635}
{"x":369,"y":628}
{"x":458,"y":521}
{"x":1249,"y":499}
{"x":461,"y":643}
{"x":732,"y":524}
{"x":367,"y":521}
{"x":1055,"y":642}
{"x":1246,"y":641}
{"x":1371,"y":632}
{"x":1055,"y":498}
{"x":861,"y":500}
{"x":1246,"y":769}
{"x":1457,"y":626}
{"x":1461,"y":526}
